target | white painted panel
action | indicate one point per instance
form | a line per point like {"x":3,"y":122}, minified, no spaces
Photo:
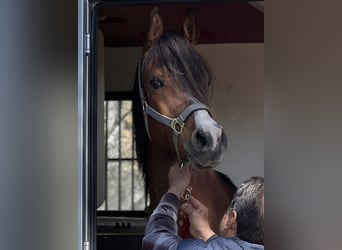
{"x":238,"y":103}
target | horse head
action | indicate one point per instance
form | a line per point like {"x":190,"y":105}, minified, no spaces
{"x":175,"y":85}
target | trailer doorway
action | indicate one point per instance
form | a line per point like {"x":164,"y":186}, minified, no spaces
{"x":111,"y":34}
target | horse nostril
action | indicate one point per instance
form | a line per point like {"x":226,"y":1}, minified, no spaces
{"x":202,"y":139}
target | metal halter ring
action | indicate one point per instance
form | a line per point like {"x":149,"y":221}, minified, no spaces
{"x":177,"y":126}
{"x":187,"y":193}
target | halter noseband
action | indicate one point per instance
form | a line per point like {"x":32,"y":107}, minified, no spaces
{"x":176,"y":124}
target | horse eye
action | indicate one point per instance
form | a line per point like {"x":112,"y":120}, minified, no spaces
{"x":156,"y":83}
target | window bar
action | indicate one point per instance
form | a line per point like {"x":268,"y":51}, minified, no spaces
{"x":106,"y":156}
{"x":132,"y":162}
{"x":119,"y":148}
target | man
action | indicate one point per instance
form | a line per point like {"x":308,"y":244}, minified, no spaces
{"x":242,"y":222}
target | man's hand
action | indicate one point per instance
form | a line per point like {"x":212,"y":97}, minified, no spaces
{"x":179,"y":179}
{"x":198,"y":217}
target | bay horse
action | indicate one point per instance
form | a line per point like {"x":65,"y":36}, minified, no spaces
{"x":172,"y":121}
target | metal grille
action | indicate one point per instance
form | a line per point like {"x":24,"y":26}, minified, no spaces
{"x":124,"y":182}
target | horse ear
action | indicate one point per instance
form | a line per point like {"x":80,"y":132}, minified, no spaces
{"x":155,"y":29}
{"x":190,"y":27}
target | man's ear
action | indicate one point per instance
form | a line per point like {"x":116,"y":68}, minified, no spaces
{"x":233,"y":217}
{"x":231,"y":224}
{"x":155,"y":29}
{"x":190,"y":27}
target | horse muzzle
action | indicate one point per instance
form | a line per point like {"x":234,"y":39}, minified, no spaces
{"x":207,"y":146}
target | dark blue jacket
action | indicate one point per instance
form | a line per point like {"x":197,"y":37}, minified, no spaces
{"x":161,"y":232}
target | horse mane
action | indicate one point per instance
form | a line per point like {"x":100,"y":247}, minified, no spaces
{"x":180,"y":60}
{"x":226,"y":180}
{"x":139,"y":130}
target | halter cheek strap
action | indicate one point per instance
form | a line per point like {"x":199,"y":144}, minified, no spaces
{"x":176,"y":124}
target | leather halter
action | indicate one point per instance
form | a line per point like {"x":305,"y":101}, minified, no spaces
{"x":176,"y":124}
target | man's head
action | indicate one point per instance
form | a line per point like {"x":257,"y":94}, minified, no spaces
{"x":245,"y":215}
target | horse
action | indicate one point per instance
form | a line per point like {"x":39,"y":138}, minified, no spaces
{"x":172,"y":120}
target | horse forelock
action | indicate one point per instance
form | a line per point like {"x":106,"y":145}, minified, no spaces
{"x":183,"y":64}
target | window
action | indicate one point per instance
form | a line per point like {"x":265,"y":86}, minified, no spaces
{"x":125,"y":189}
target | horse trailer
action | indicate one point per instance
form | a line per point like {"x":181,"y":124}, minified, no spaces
{"x":69,"y":173}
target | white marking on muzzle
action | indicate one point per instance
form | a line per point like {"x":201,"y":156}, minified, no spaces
{"x":204,"y":121}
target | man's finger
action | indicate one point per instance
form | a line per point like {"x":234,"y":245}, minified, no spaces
{"x":188,"y":167}
{"x":195,"y":203}
{"x":187,"y":208}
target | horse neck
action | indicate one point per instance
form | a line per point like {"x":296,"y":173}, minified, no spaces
{"x":206,"y":184}
{"x":213,"y":193}
{"x":158,"y":165}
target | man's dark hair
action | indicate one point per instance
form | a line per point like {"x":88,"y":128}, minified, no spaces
{"x":248,"y":202}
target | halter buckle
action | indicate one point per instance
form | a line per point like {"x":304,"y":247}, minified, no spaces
{"x":177,"y":125}
{"x":187,"y":193}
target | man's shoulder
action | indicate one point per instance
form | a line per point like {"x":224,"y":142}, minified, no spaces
{"x":234,"y":243}
{"x":247,"y":245}
{"x":218,"y":243}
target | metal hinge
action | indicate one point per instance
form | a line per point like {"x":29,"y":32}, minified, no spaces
{"x":86,"y":245}
{"x":87,"y":43}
